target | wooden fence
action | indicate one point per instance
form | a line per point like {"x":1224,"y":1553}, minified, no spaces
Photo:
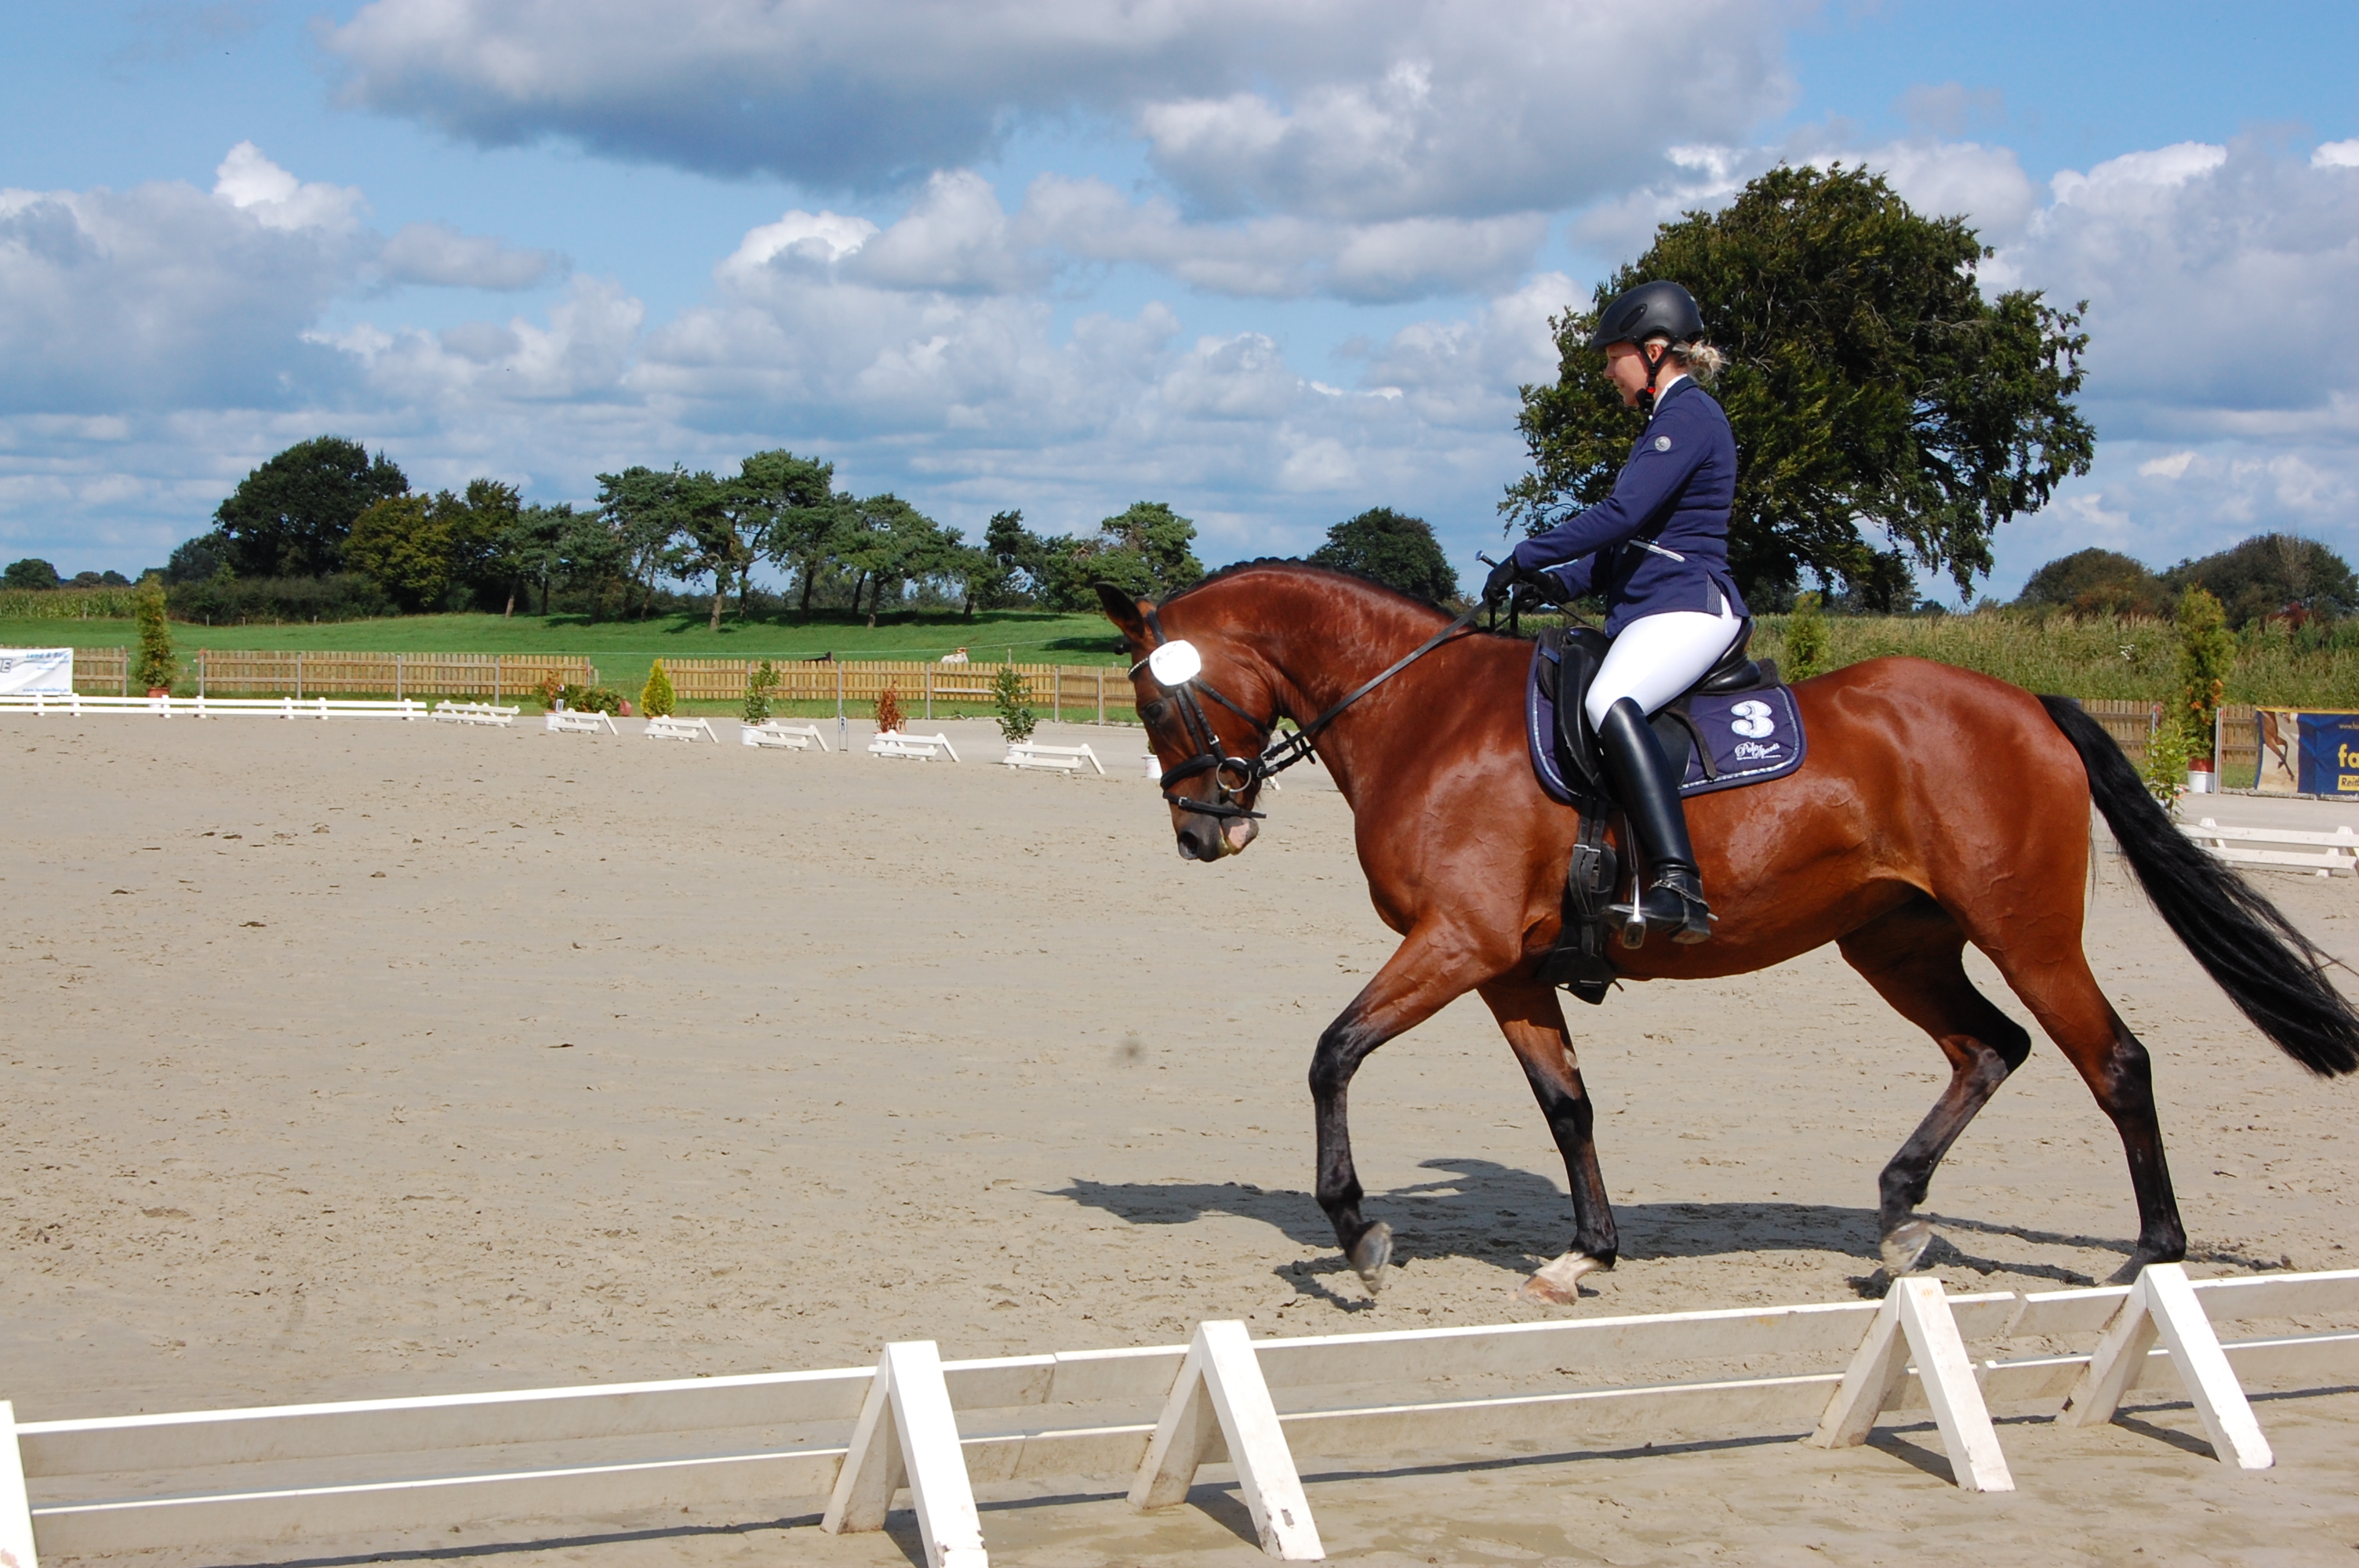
{"x":220,"y":672}
{"x":2131,"y":724}
{"x":1090,"y":692}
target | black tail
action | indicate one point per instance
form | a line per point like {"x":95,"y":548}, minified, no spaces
{"x":2275,"y":975}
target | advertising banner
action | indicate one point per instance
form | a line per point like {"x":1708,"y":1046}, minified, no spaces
{"x":27,"y":671}
{"x":2309,"y":751}
{"x":2330,"y":753}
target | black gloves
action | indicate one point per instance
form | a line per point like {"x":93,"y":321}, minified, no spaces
{"x":1501,"y":581}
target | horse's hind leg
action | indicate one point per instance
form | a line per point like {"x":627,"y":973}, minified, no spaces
{"x":1533,"y":1020}
{"x":2063,"y":995}
{"x":1913,"y":956}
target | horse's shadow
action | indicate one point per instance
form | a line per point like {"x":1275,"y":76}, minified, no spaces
{"x":1517,"y":1220}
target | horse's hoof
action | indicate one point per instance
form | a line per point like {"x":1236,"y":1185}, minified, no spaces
{"x":1558,"y":1285}
{"x":1904,"y":1244}
{"x":1372,"y":1254}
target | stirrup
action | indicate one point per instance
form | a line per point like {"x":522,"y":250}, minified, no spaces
{"x":1674,"y":903}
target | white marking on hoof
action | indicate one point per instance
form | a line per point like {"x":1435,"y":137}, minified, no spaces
{"x":1374,"y":1256}
{"x":1558,"y":1285}
{"x":1904,"y":1244}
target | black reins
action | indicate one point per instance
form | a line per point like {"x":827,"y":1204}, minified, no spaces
{"x":1249,"y":773}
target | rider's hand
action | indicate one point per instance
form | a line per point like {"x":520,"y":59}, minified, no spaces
{"x":1501,"y":581}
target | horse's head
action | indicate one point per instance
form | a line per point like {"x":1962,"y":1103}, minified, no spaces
{"x":1207,"y":749}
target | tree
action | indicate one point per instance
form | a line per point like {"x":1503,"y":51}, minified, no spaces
{"x":592,"y":555}
{"x":637,"y":504}
{"x":529,"y":548}
{"x":402,"y":546}
{"x":1385,"y":546}
{"x":30,"y":572}
{"x":1009,"y":574}
{"x":155,"y":669}
{"x":890,"y":543}
{"x":2272,"y":574}
{"x":290,"y":516}
{"x":1146,"y":550}
{"x":657,"y":698}
{"x":703,"y":541}
{"x":200,"y":559}
{"x":1885,"y":411}
{"x":2207,"y":651}
{"x":774,"y":498}
{"x":2096,"y":582}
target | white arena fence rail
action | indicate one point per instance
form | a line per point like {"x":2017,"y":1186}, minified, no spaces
{"x":61,"y":705}
{"x":1066,"y":759}
{"x":728,"y":1449}
{"x":474,"y":713}
{"x":2283,"y":848}
{"x":919,"y":748}
{"x":780,"y":735}
{"x":668,"y":727}
{"x":578,"y":721}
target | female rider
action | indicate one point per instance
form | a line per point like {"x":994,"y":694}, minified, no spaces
{"x":1657,"y":550}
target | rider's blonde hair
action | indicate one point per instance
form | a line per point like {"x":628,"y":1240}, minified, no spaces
{"x":1698,"y":359}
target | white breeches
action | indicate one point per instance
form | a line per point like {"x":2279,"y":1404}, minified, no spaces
{"x":1659,"y":656}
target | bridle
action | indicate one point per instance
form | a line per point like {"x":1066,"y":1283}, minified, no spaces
{"x":1237,"y":777}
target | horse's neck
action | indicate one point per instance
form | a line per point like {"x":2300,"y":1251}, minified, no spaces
{"x":1322,"y":648}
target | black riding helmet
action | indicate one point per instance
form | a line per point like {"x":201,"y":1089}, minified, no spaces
{"x":1658,"y":309}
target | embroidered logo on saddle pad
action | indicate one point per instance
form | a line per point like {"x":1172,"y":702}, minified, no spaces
{"x":1753,"y":736}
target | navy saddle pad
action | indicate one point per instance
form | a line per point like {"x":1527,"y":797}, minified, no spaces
{"x":1754,"y":736}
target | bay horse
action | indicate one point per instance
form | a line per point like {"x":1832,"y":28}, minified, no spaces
{"x":1936,"y":807}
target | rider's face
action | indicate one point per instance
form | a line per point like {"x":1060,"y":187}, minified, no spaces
{"x":1626,"y":369}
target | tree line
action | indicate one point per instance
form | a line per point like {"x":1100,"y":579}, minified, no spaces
{"x":326,"y":528}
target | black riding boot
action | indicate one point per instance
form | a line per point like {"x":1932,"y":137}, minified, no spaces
{"x":1650,"y":798}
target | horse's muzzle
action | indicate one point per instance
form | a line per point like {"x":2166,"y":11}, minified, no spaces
{"x":1205,"y":837}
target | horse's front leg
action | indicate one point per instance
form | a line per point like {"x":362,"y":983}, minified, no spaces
{"x":1425,"y":973}
{"x":1532,"y":1019}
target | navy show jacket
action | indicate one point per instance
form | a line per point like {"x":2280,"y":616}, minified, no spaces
{"x":1681,"y":476}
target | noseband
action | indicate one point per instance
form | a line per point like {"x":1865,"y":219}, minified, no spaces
{"x":1237,"y":777}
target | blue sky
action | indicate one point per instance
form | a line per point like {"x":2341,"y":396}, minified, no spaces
{"x":1272,"y":265}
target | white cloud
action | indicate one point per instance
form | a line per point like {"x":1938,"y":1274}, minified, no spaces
{"x":2335,"y":155}
{"x":157,"y":297}
{"x":2172,"y":467}
{"x":436,"y":254}
{"x":2203,"y":266}
{"x":1352,"y":109}
{"x":252,"y":183}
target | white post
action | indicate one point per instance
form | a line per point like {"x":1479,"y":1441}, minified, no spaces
{"x":15,"y":1512}
{"x":908,"y":1435}
{"x":1220,"y":1395}
{"x":2162,"y":1304}
{"x":1915,"y":1321}
{"x":841,"y":743}
{"x":398,"y":695}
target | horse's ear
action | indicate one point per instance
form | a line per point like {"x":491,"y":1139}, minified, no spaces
{"x":1128,"y":615}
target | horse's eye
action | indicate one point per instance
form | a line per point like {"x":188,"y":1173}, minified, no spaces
{"x":1154,"y":711}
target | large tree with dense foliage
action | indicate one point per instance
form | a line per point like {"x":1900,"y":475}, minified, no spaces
{"x":1385,"y":547}
{"x":2096,"y":583}
{"x":290,"y":516}
{"x":2272,"y":574}
{"x":1887,"y":415}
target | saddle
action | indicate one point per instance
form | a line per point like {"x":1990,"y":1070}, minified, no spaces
{"x":1578,"y":961}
